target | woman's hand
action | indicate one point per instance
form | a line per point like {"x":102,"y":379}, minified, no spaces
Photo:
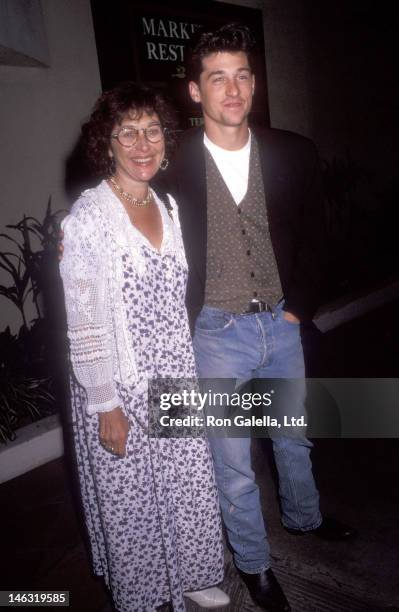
{"x":113,"y":431}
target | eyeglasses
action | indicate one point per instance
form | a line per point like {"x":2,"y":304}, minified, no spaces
{"x":127,"y":136}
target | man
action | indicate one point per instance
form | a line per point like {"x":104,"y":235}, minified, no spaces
{"x":250,"y":208}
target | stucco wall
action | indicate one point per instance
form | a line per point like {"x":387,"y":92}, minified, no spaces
{"x":41,"y":110}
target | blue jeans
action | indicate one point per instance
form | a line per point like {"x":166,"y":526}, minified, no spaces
{"x":244,"y":347}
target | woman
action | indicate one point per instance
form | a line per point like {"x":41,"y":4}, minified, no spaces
{"x":150,"y":504}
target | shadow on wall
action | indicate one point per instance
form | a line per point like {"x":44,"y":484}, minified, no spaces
{"x":361,"y":221}
{"x":78,"y":175}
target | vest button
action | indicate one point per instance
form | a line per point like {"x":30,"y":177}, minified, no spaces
{"x":243,"y":231}
{"x":239,"y":210}
{"x":252,"y":274}
{"x":255,"y":294}
{"x":248,"y":252}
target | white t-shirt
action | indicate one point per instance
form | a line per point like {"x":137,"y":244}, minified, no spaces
{"x":233,"y":166}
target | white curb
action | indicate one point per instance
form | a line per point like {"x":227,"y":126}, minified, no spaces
{"x":35,"y":445}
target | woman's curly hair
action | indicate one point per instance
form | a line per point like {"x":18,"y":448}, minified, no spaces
{"x":110,"y":110}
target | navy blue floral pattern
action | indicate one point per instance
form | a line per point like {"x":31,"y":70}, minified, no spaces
{"x":152,"y":517}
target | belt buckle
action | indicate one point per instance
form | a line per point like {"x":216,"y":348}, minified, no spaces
{"x":258,"y":306}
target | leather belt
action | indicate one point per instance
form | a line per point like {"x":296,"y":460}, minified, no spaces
{"x":258,"y":306}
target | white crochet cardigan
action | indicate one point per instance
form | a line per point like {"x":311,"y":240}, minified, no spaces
{"x":97,"y":233}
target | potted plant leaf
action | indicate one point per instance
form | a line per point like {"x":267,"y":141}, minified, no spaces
{"x":30,"y":360}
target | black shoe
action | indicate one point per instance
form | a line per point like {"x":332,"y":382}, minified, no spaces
{"x":266,"y":591}
{"x":330,"y":529}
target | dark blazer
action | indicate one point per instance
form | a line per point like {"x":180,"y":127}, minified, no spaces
{"x":292,"y":182}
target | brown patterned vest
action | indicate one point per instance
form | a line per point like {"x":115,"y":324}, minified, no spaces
{"x":240,"y":259}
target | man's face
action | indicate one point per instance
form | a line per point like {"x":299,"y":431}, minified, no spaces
{"x":225,"y":89}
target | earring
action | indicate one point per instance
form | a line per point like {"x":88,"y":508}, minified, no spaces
{"x":112,"y":165}
{"x":164,"y":164}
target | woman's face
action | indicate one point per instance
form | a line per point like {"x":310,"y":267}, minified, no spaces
{"x":137,"y":162}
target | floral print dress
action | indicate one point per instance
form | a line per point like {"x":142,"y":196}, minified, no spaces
{"x":153,"y":516}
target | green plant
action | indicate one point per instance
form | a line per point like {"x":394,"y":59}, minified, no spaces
{"x":23,"y":396}
{"x":25,"y":267}
{"x":27,"y":358}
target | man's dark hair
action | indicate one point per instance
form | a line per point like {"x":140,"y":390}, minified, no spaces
{"x":232,"y":37}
